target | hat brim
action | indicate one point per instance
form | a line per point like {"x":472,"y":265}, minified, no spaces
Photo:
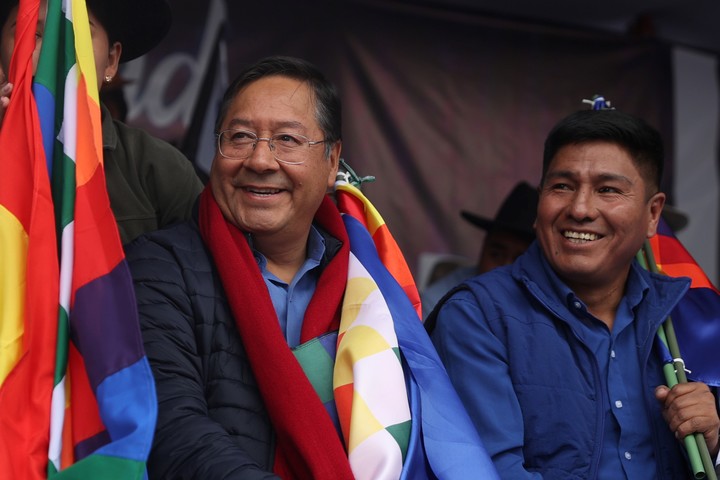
{"x":139,"y":25}
{"x":676,"y":219}
{"x":478,"y":221}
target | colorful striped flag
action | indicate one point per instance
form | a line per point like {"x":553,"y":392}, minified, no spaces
{"x":352,"y":201}
{"x":28,"y":272}
{"x":100,"y":420}
{"x":696,"y":318}
{"x":442,"y":442}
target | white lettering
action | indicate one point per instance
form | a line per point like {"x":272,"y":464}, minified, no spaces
{"x":149,"y":98}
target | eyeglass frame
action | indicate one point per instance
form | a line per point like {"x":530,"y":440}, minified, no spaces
{"x":271,"y":144}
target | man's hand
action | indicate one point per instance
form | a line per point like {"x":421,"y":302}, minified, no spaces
{"x":690,"y":408}
{"x":5,"y":90}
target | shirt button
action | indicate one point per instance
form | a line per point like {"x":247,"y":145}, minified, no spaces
{"x":618,"y":403}
{"x":612,"y":353}
{"x":628,"y":455}
{"x":577,"y":305}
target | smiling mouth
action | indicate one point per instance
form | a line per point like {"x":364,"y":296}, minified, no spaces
{"x":263,"y":191}
{"x":580,"y":237}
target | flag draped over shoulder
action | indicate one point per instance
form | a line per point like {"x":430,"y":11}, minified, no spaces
{"x":100,"y":419}
{"x":354,"y":203}
{"x":696,"y":318}
{"x":442,"y":442}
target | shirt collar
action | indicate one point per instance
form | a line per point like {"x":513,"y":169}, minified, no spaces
{"x":636,"y":288}
{"x":109,"y":134}
{"x":315,"y":249}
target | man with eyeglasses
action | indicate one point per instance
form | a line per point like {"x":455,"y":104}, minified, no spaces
{"x":240,"y":307}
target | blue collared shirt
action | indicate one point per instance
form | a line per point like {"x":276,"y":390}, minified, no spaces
{"x":291,"y":301}
{"x":627,"y":439}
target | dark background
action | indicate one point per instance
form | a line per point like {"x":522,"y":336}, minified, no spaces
{"x":446,"y":103}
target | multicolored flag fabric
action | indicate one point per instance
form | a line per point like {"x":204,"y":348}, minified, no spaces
{"x":28,"y":272}
{"x":364,"y":212}
{"x":696,"y":318}
{"x":369,"y":383}
{"x":103,"y":407}
{"x":384,"y":332}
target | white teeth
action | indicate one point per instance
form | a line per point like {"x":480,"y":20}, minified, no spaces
{"x":262,"y":191}
{"x":580,"y":237}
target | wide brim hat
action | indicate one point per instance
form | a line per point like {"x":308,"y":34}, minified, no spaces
{"x":516,"y":214}
{"x":675,"y":218}
{"x":139,"y":25}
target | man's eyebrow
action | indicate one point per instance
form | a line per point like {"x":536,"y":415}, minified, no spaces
{"x":560,"y":174}
{"x":603,"y":177}
{"x":290,"y":124}
{"x":238,"y":122}
{"x":615,"y":177}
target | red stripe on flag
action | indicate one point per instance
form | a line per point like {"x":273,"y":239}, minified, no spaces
{"x":86,"y":421}
{"x":25,"y":192}
{"x":351,"y":205}
{"x":674,"y":260}
{"x":385,"y":244}
{"x":97,"y":242}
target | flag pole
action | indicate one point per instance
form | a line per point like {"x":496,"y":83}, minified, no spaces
{"x":695,"y":445}
{"x":698,"y":454}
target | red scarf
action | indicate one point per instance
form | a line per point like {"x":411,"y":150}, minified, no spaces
{"x":308,"y":446}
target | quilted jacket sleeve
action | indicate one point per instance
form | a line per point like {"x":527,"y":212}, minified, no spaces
{"x":188,"y":443}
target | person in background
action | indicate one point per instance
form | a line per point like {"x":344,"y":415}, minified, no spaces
{"x":4,"y":99}
{"x":112,"y":96}
{"x":556,"y":356}
{"x":149,"y":182}
{"x":507,"y":236}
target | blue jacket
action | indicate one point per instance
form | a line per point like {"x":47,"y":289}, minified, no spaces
{"x":528,"y":381}
{"x":212,"y":421}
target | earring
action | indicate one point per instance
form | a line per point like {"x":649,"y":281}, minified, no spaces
{"x":108,"y":78}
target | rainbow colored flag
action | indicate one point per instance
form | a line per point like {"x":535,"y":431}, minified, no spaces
{"x":696,"y":318}
{"x":76,"y":390}
{"x":353,"y":202}
{"x":28,"y":272}
{"x":437,"y":439}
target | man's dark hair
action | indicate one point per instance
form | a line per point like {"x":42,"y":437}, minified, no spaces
{"x":328,"y":110}
{"x":637,"y":137}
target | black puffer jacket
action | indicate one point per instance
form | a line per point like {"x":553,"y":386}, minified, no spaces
{"x":211,"y":420}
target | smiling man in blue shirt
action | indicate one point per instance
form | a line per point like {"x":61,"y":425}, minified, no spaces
{"x":556,"y":356}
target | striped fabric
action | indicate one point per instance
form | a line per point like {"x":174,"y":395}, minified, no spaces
{"x":100,"y":420}
{"x":317,"y":360}
{"x":400,"y":416}
{"x":28,"y":272}
{"x":354,"y":203}
{"x":697,"y":317}
{"x":369,"y":383}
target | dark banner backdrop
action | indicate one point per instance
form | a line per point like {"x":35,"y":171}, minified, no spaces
{"x":448,"y":109}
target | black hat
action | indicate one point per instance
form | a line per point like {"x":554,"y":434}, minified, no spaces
{"x":516,"y":214}
{"x":138,"y":24}
{"x":675,"y":218}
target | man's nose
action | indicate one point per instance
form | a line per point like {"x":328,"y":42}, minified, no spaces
{"x":583,"y":204}
{"x":262,"y":158}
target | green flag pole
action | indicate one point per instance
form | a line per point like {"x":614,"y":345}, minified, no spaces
{"x":695,"y":445}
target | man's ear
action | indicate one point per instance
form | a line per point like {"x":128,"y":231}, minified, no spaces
{"x":334,"y":160}
{"x":655,"y":204}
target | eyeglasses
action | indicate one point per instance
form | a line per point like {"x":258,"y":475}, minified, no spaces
{"x":287,"y":148}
